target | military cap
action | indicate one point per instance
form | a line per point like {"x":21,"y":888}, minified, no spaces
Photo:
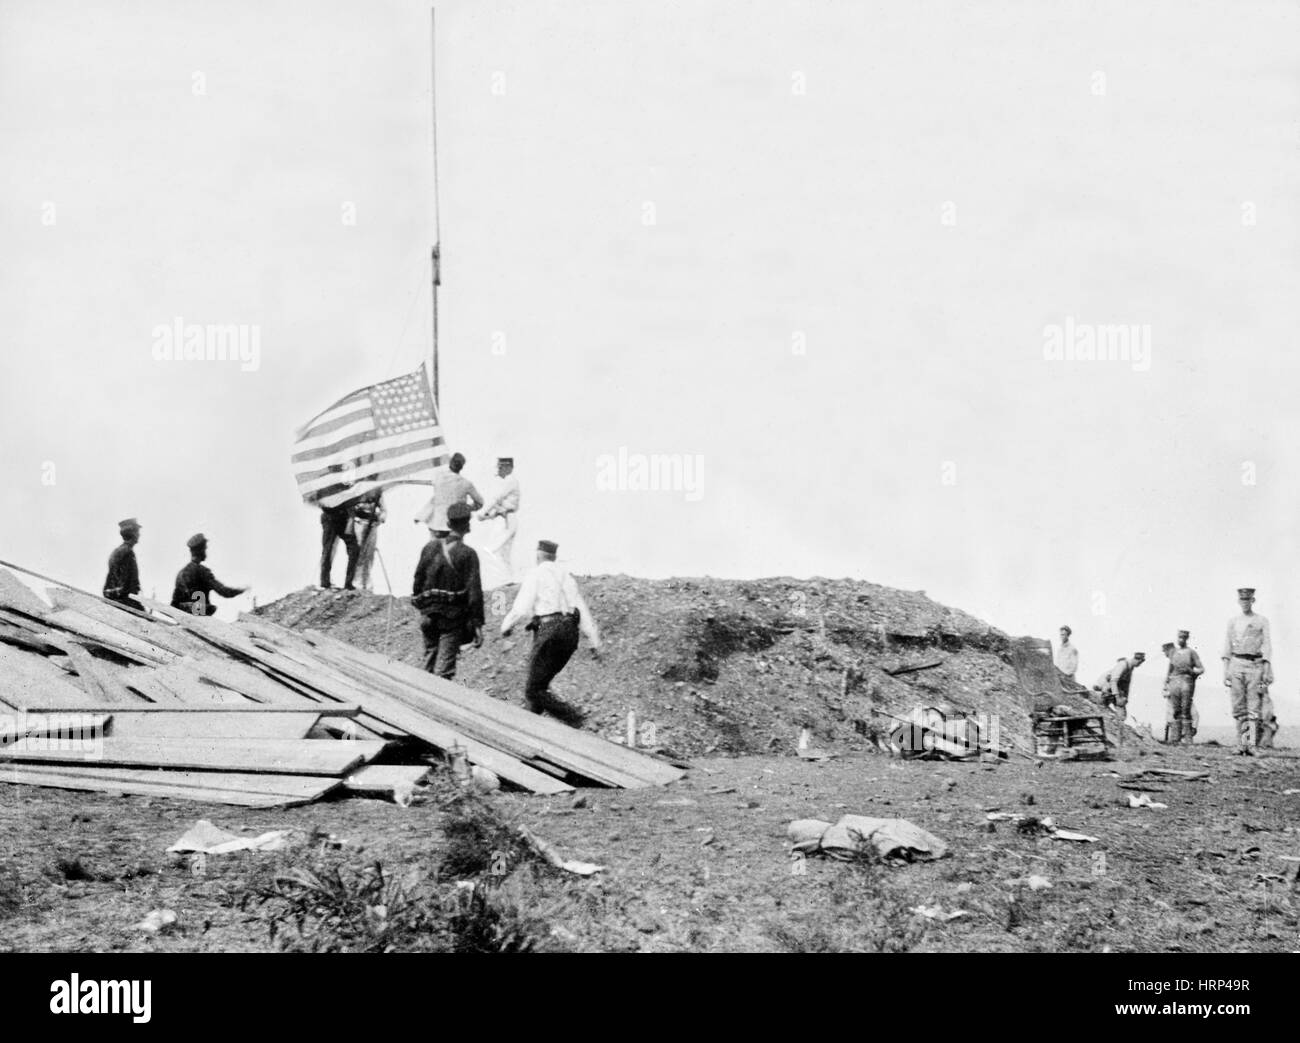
{"x":1245,"y":592}
{"x":547,"y":547}
{"x":505,"y":459}
{"x":128,"y":523}
{"x":458,"y":512}
{"x":1139,"y":655}
{"x":1066,"y":629}
{"x":196,"y":541}
{"x":1166,"y":646}
{"x":1184,"y":633}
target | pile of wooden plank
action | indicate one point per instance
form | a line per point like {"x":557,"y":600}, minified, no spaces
{"x":96,"y":696}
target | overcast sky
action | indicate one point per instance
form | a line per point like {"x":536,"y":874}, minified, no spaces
{"x":823,"y":249}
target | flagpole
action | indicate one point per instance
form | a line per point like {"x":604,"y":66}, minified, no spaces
{"x":435,"y":259}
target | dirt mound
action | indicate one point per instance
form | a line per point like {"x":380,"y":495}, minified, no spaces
{"x":727,"y":666}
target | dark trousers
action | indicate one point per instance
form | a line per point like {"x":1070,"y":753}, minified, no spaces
{"x":442,"y":641}
{"x":554,"y":642}
{"x":333,"y":527}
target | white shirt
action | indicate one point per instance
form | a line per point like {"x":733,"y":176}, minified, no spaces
{"x":549,"y":588}
{"x":448,"y":487}
{"x":1067,"y":660}
{"x":507,"y":499}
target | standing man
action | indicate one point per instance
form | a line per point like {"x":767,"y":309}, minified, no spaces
{"x":1180,"y":685}
{"x":1247,"y":669}
{"x":368,"y":515}
{"x":1114,"y":683}
{"x":550,"y":600}
{"x":195,"y":583}
{"x":123,"y":577}
{"x":449,"y":487}
{"x":336,"y":523}
{"x":1067,"y":656}
{"x":505,"y":506}
{"x":449,"y":594}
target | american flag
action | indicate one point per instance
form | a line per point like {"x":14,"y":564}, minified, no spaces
{"x":382,"y":435}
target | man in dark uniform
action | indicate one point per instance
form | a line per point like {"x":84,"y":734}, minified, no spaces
{"x":336,"y":524}
{"x":195,"y":583}
{"x":123,"y":577}
{"x":448,"y":591}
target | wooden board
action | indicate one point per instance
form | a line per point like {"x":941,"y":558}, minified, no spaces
{"x":155,"y":631}
{"x":108,"y":637}
{"x":31,"y":680}
{"x":15,"y":594}
{"x":45,"y":725}
{"x":157,"y":724}
{"x":580,"y":752}
{"x":253,"y":791}
{"x":413,"y":721}
{"x":275,"y":756}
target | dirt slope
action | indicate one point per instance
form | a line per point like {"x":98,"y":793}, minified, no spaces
{"x":726,"y":666}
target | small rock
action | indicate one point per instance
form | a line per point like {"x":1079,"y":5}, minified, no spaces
{"x":1027,"y":798}
{"x":965,"y":888}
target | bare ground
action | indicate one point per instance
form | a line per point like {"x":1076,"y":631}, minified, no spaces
{"x":704,"y":864}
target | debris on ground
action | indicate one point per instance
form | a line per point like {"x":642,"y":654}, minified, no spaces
{"x":936,"y":912}
{"x":205,"y":838}
{"x":1034,"y":824}
{"x":1141,"y":800}
{"x":893,"y":839}
{"x":157,"y":921}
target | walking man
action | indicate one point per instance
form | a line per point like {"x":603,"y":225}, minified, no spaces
{"x":449,"y":487}
{"x":368,"y":514}
{"x":1180,"y":687}
{"x":123,"y":577}
{"x":1114,"y":683}
{"x":1247,"y":669}
{"x":449,"y":595}
{"x":195,"y":583}
{"x":505,"y":505}
{"x":1067,"y":656}
{"x":550,"y":600}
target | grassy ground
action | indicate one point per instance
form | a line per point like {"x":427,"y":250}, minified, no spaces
{"x":701,"y":865}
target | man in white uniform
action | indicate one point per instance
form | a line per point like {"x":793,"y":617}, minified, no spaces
{"x":505,"y":505}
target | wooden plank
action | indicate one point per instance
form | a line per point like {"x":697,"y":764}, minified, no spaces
{"x":254,"y":791}
{"x":275,"y":756}
{"x":128,"y":724}
{"x":32,"y":680}
{"x":156,"y":632}
{"x":96,"y":673}
{"x":255,"y":709}
{"x":379,"y":705}
{"x":32,"y":725}
{"x":581,"y":752}
{"x":108,"y":637}
{"x":22,"y":637}
{"x":15,"y":594}
{"x":146,"y":682}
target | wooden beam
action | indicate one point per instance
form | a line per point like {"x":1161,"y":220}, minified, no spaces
{"x":274,"y":756}
{"x":255,"y":791}
{"x":158,"y":723}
